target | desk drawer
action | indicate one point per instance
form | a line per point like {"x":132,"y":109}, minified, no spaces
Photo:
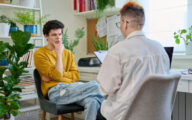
{"x":183,"y":86}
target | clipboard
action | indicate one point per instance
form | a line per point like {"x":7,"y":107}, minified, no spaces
{"x":100,"y":55}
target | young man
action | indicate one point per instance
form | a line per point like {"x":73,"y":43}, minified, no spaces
{"x":128,"y":63}
{"x":59,"y":74}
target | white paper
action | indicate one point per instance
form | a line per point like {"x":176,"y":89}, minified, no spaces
{"x":102,"y":27}
{"x":113,"y":32}
{"x":100,"y":55}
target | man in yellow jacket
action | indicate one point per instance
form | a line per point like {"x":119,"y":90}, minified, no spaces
{"x":59,"y":74}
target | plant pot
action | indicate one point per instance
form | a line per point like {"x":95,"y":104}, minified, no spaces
{"x":4,"y":29}
{"x":27,"y":3}
{"x":7,"y":116}
{"x":188,"y":49}
{"x":4,"y":1}
{"x":13,"y":29}
{"x":3,"y":62}
{"x":32,"y":29}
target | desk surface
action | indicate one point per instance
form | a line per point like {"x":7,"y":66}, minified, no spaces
{"x":185,"y":84}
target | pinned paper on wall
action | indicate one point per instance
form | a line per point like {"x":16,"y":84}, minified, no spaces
{"x":102,"y":27}
{"x":113,"y":31}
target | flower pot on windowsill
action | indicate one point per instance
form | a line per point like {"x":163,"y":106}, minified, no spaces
{"x":27,"y":3}
{"x":32,"y":29}
{"x":188,"y":49}
{"x":4,"y":1}
{"x":4,"y":29}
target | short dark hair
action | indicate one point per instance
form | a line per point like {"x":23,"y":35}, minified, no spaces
{"x":133,"y":10}
{"x":52,"y":24}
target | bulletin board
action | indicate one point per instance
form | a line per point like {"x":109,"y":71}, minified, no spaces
{"x":91,"y":30}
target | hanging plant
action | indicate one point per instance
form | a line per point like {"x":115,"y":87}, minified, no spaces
{"x":102,"y":4}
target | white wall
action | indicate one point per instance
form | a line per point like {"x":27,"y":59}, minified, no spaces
{"x":63,"y":10}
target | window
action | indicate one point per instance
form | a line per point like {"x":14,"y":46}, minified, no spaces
{"x":164,"y":17}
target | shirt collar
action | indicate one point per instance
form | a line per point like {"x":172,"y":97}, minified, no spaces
{"x":135,"y":33}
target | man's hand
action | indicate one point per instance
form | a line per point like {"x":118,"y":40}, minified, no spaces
{"x":59,"y":48}
{"x":45,"y":78}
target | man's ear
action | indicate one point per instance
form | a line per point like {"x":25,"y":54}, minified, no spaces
{"x":126,"y":25}
{"x":46,"y":36}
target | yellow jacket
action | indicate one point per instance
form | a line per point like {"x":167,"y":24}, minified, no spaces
{"x":45,"y":60}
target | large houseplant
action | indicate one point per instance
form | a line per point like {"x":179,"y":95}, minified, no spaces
{"x":30,"y":21}
{"x":9,"y":92}
{"x":186,"y":36}
{"x":79,"y":33}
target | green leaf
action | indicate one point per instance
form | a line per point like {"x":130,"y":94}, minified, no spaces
{"x":17,"y":90}
{"x":177,"y":41}
{"x":79,"y":33}
{"x":188,"y":37}
{"x":176,"y":36}
{"x":183,"y":31}
{"x":20,"y":40}
{"x":102,"y":4}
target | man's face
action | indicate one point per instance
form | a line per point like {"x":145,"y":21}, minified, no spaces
{"x":54,"y":36}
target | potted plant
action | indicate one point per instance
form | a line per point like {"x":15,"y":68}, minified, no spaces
{"x":4,"y":26}
{"x":13,"y":27}
{"x":99,"y":44}
{"x":27,"y":3}
{"x":30,"y":22}
{"x":186,"y":36}
{"x":9,"y":98}
{"x":79,"y":33}
{"x":102,"y":4}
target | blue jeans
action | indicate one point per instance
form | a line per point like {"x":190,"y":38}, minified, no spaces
{"x":84,"y":94}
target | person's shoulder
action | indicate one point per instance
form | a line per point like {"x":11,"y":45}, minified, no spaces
{"x":115,"y":49}
{"x":68,"y":52}
{"x":154,"y":42}
{"x":40,"y":51}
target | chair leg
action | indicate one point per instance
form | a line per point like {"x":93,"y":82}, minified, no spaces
{"x":59,"y":117}
{"x":43,"y":117}
{"x":72,"y":116}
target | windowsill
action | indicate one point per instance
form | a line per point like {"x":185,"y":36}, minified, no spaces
{"x":181,"y":55}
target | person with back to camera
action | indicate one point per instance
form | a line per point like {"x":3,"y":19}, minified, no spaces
{"x":128,"y":63}
{"x":59,"y":74}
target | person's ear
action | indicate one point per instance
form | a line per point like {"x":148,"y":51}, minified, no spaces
{"x":46,"y":36}
{"x":126,"y":25}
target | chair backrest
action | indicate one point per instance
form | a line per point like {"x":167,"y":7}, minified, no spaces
{"x":169,"y":51}
{"x":38,"y":83}
{"x":154,"y":99}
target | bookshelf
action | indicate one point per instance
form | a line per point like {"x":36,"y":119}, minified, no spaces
{"x":88,"y":8}
{"x":94,"y":13}
{"x":10,"y":6}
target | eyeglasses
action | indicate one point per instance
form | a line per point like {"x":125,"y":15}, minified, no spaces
{"x":118,"y":24}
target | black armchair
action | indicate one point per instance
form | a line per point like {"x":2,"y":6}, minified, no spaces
{"x":50,"y":107}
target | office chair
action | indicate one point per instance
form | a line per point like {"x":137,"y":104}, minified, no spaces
{"x":50,"y":107}
{"x":154,"y":99}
